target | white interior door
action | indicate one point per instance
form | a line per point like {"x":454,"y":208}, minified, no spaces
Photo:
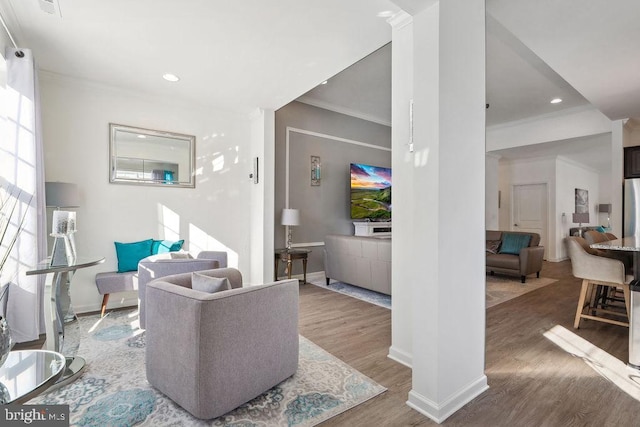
{"x":530,"y":210}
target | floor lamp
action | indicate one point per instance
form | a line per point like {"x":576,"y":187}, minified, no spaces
{"x":63,"y":227}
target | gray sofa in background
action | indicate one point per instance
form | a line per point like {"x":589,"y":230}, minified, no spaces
{"x":160,"y":265}
{"x":210,"y":353}
{"x":359,"y":261}
{"x":527,"y":262}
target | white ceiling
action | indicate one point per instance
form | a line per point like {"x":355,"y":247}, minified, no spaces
{"x":247,"y":54}
{"x":234,"y":55}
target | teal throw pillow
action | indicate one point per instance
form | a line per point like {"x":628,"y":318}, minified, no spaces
{"x":601,"y":229}
{"x":513,"y":243}
{"x":164,"y":246}
{"x":130,"y":254}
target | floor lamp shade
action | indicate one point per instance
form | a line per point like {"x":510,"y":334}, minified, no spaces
{"x":290,"y":217}
{"x":61,"y":195}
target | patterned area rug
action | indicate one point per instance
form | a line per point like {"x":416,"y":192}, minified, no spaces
{"x":113,"y":390}
{"x":503,"y":288}
{"x":356,"y":292}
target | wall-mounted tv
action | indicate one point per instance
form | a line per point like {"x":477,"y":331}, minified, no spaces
{"x":370,"y":192}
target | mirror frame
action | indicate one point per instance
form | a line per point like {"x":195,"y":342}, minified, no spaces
{"x":113,"y":156}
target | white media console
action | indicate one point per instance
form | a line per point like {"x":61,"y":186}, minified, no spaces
{"x":372,"y":229}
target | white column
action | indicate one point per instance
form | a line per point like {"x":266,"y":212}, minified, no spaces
{"x":446,"y":250}
{"x":402,"y":166}
{"x":617,"y":176}
{"x":262,"y":196}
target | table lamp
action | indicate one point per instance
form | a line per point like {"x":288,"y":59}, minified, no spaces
{"x":63,"y":225}
{"x":579,"y":218}
{"x":290,"y":218}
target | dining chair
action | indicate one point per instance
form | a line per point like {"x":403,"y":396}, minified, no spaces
{"x":597,"y":271}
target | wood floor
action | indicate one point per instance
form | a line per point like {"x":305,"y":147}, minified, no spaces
{"x":532,"y":381}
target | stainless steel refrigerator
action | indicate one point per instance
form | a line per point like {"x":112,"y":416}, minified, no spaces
{"x":631,"y":206}
{"x":632,"y":228}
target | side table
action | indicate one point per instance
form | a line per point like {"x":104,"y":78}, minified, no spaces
{"x":27,"y":373}
{"x":288,"y":255}
{"x":53,"y":316}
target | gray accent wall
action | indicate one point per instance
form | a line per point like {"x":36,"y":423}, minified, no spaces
{"x":339,"y":140}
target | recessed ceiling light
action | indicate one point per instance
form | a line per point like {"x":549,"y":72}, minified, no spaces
{"x":142,"y":136}
{"x":385,"y":14}
{"x":556,"y":101}
{"x":324,"y":82}
{"x":170,"y":77}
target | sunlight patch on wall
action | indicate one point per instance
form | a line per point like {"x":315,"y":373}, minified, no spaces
{"x":421,"y":158}
{"x":625,"y":378}
{"x":168,"y":223}
{"x":199,"y":240}
{"x":218,"y":163}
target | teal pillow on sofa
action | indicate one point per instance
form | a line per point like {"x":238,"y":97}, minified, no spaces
{"x":164,"y":246}
{"x":513,"y":243}
{"x":129,"y":254}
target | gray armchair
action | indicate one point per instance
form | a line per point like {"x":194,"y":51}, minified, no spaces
{"x":156,"y":266}
{"x":210,"y":353}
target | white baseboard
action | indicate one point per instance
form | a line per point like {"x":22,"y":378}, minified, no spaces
{"x":440,"y":412}
{"x":401,"y":357}
{"x":113,"y":303}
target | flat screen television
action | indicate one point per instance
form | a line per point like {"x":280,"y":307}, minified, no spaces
{"x":370,"y":192}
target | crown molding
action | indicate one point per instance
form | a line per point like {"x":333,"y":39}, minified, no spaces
{"x":342,"y":110}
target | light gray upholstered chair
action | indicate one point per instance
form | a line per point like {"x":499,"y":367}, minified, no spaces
{"x":210,"y":353}
{"x":156,"y":266}
{"x":596,"y":270}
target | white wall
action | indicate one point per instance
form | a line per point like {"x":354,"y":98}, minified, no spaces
{"x":570,"y":176}
{"x":214,"y":215}
{"x":527,"y":171}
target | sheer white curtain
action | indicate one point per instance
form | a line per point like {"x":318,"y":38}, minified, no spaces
{"x":22,"y":184}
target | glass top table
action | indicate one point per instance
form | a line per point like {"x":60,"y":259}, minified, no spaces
{"x":27,"y":373}
{"x":55,"y":277}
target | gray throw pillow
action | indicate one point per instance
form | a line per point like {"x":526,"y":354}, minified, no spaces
{"x":203,"y":283}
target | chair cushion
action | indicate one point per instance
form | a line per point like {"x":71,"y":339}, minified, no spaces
{"x":203,"y":283}
{"x":513,"y":243}
{"x":110,"y":282}
{"x":129,"y":254}
{"x":163,"y":246}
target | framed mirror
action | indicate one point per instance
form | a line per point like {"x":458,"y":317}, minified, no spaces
{"x":150,"y":157}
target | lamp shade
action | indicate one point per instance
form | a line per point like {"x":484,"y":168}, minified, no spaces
{"x":604,"y":208}
{"x":290,"y":217}
{"x":61,"y":195}
{"x":580,"y":218}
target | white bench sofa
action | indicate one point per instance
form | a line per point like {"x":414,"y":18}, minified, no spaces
{"x":359,"y":261}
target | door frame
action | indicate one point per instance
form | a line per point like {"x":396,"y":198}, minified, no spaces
{"x":548,"y":218}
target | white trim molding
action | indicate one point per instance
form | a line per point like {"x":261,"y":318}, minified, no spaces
{"x":400,"y":356}
{"x":439,"y":413}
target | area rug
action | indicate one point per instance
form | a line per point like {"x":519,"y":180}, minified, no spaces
{"x":113,"y":390}
{"x":503,"y":288}
{"x":356,"y":292}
